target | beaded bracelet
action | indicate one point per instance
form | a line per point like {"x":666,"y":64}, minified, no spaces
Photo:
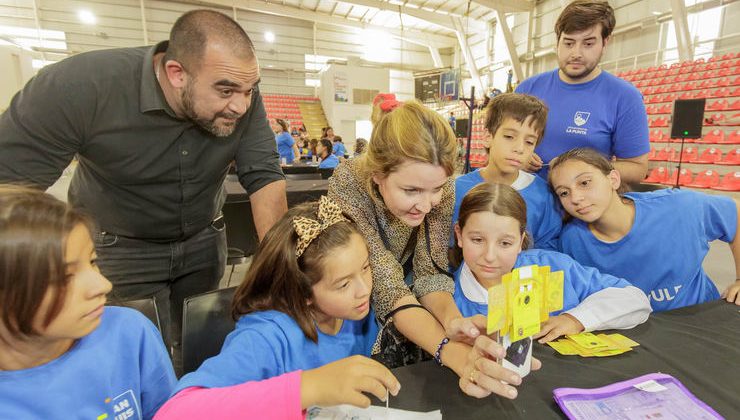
{"x":438,"y":353}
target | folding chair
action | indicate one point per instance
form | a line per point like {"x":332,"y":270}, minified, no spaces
{"x":147,"y":306}
{"x":206,"y":323}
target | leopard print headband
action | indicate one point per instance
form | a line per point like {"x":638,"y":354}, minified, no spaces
{"x":309,"y":229}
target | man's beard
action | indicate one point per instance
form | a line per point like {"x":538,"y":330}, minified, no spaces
{"x":210,"y":126}
{"x":581,"y":74}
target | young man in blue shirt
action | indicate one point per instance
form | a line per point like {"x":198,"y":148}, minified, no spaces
{"x":588,"y":106}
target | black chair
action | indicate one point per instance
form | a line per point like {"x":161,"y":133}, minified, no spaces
{"x":326,"y":173}
{"x":147,"y":306}
{"x":241,"y":235}
{"x":206,"y":321}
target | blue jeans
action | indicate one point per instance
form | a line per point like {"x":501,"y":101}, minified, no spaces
{"x":169,"y":272}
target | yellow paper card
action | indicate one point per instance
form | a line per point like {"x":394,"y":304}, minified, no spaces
{"x":611,"y":352}
{"x":496,"y":309}
{"x":554,"y":291}
{"x":588,"y":340}
{"x":619,"y":338}
{"x":563,"y":347}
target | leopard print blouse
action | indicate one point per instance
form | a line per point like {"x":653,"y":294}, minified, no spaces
{"x":370,"y":214}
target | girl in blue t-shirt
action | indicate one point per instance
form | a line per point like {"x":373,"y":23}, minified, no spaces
{"x":304,"y":303}
{"x":656,"y":240}
{"x":63,"y":354}
{"x":492,"y":241}
{"x":287,"y":147}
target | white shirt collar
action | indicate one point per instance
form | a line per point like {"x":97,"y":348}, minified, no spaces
{"x":523,"y":180}
{"x":472,"y":290}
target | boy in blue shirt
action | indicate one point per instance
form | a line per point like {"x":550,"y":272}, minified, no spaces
{"x":516,"y":123}
{"x":324,"y":150}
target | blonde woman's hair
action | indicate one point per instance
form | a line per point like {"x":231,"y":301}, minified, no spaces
{"x":407,"y":131}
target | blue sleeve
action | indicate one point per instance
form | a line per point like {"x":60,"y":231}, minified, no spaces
{"x":548,"y":233}
{"x":247,"y":355}
{"x":586,"y":281}
{"x":719,"y":217}
{"x":157,"y":376}
{"x":630,"y":138}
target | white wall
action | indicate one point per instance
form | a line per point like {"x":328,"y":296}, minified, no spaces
{"x":16,"y":69}
{"x":342,"y":115}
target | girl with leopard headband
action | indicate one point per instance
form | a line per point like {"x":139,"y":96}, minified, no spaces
{"x":304,"y":327}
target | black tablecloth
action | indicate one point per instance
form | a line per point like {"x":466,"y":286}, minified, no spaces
{"x":698,"y":345}
{"x":298,"y":190}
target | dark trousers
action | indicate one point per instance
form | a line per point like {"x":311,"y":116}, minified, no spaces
{"x":168,"y":271}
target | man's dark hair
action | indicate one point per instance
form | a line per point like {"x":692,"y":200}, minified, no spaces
{"x":192,"y":31}
{"x":583,"y":14}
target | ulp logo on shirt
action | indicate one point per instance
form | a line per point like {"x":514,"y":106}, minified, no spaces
{"x":581,"y":118}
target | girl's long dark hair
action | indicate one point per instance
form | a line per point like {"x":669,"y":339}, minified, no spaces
{"x":278,"y":280}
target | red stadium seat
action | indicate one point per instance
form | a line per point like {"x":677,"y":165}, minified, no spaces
{"x":709,"y":156}
{"x":734,"y":106}
{"x":650,"y":110}
{"x":657,"y":175}
{"x":686,"y":177}
{"x":720,"y":93}
{"x":689,"y":154}
{"x":714,"y":119}
{"x":658,"y":122}
{"x":731,"y":158}
{"x":729,"y":182}
{"x":656,"y":136}
{"x":733,"y":138}
{"x":712,"y":137}
{"x":719,"y":105}
{"x":665,"y":109}
{"x":705,"y":179}
{"x":653,"y":155}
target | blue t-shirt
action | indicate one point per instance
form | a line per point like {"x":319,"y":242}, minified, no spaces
{"x":285,"y":144}
{"x":606,"y":114}
{"x":338,"y":149}
{"x":120,"y":369}
{"x":270,"y":343}
{"x":662,"y":253}
{"x":543,"y":216}
{"x":331,"y":161}
{"x":579,"y":281}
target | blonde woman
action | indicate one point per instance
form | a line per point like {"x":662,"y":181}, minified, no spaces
{"x":401,"y":194}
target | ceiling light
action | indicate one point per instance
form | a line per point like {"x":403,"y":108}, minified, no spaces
{"x":86,"y":17}
{"x":269,"y":36}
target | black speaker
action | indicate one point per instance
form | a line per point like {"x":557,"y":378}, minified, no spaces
{"x":461,"y":127}
{"x":688,"y":116}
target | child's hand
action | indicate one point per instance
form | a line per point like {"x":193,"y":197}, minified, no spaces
{"x":483,"y":375}
{"x":466,"y":330}
{"x":554,"y":327}
{"x":535,"y":163}
{"x":344,"y":381}
{"x":732,"y":293}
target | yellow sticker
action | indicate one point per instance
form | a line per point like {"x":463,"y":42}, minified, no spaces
{"x":563,"y":347}
{"x":554,"y":291}
{"x":496,"y":308}
{"x":588,"y":340}
{"x":526,"y":313}
{"x":619,"y":338}
{"x":611,"y":352}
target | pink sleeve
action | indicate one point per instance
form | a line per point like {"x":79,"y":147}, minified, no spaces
{"x":275,"y":398}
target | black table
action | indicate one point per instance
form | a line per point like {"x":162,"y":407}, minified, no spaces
{"x":298,"y":190}
{"x":698,"y":345}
